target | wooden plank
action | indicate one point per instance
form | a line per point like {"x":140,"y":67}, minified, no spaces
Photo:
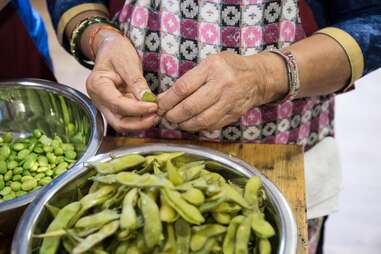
{"x":282,"y":164}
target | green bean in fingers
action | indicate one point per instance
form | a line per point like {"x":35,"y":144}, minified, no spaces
{"x":162,"y":203}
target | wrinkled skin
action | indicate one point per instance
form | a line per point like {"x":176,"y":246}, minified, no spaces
{"x":215,"y":93}
{"x":116,"y":84}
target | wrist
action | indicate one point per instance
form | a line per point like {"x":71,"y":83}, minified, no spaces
{"x":94,"y":36}
{"x":273,"y":83}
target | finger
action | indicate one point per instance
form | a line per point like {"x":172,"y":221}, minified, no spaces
{"x":205,"y":120}
{"x":135,"y":123}
{"x":205,"y":97}
{"x":102,"y":89}
{"x":130,"y":69}
{"x":183,"y":87}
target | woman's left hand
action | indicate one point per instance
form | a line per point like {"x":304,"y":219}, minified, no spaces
{"x":221,"y":89}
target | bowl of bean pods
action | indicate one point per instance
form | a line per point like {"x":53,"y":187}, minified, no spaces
{"x":159,"y":198}
{"x":45,"y":129}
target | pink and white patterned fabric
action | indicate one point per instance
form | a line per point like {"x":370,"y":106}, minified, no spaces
{"x":172,"y":36}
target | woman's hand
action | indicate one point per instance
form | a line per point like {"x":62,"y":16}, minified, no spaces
{"x":116,"y":83}
{"x":222,"y":88}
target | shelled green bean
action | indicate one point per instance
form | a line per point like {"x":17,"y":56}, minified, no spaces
{"x":166,"y":204}
{"x":28,"y":163}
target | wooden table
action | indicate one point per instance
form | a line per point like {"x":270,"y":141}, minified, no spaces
{"x":282,"y":164}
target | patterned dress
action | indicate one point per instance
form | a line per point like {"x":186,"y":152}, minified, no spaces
{"x":172,"y":36}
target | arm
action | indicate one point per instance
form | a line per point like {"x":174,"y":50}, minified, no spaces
{"x":65,"y":14}
{"x":235,"y":83}
{"x":362,"y":21}
{"x":327,"y":62}
{"x":115,"y":90}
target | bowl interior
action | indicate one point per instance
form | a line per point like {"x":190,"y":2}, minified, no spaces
{"x":75,"y":187}
{"x":24,"y":108}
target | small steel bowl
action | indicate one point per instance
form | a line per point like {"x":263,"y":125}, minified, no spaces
{"x":66,"y":189}
{"x":32,"y":103}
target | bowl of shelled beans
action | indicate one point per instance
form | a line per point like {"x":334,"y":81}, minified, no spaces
{"x":45,"y":129}
{"x":159,"y":198}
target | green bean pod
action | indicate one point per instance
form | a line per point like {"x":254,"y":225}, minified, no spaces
{"x":152,"y":224}
{"x":261,"y":227}
{"x":208,"y":247}
{"x":233,"y":195}
{"x":243,"y":236}
{"x":183,"y":236}
{"x":222,"y":218}
{"x":167,"y":213}
{"x":170,"y":245}
{"x":194,"y":196}
{"x":205,"y":232}
{"x":230,"y":237}
{"x":264,"y":246}
{"x":96,"y":238}
{"x":128,"y":218}
{"x":189,"y":212}
{"x":50,"y":245}
{"x":119,"y":164}
{"x":122,"y":248}
{"x":97,"y":219}
{"x":173,"y":175}
{"x":163,"y":157}
{"x":93,"y":199}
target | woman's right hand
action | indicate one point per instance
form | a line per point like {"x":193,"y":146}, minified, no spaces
{"x":116,"y":83}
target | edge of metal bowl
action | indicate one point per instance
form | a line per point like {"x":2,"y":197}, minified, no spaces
{"x":28,"y":221}
{"x":96,"y":134}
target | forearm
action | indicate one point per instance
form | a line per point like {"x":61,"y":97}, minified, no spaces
{"x":85,"y":37}
{"x":323,"y":65}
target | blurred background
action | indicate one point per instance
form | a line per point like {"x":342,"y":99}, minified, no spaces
{"x":356,"y":227}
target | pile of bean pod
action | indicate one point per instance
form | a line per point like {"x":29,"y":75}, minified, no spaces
{"x":28,"y":163}
{"x":162,"y":203}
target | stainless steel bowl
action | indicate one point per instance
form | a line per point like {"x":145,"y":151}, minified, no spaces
{"x":36,"y":218}
{"x":31,"y":103}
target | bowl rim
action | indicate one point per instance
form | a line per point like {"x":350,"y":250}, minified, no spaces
{"x":28,"y":221}
{"x":96,"y":133}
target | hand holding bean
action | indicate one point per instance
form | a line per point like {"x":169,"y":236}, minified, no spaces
{"x":117,"y":86}
{"x":219,"y":91}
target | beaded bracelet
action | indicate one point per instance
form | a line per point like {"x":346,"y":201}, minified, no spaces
{"x":292,"y":74}
{"x":76,"y":37}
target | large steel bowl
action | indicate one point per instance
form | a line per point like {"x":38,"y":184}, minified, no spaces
{"x":65,"y":190}
{"x":31,"y":103}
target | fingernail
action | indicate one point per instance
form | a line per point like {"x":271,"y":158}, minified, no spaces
{"x":157,"y":120}
{"x":152,"y":109}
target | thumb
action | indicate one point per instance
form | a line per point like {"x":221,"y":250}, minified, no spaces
{"x":130,"y":69}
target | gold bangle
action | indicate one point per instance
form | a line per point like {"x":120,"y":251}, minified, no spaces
{"x":352,"y":50}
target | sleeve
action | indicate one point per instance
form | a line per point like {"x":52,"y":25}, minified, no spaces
{"x":62,"y":11}
{"x":356,"y":25}
{"x":35,"y":27}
